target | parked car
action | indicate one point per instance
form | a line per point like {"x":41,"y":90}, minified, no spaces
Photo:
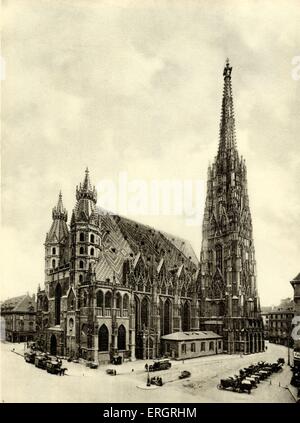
{"x":111,"y":372}
{"x":163,"y":364}
{"x":29,"y":356}
{"x":41,"y":361}
{"x":92,"y":365}
{"x":53,"y":367}
{"x":117,"y":359}
{"x":156,"y":380}
{"x":184,"y":374}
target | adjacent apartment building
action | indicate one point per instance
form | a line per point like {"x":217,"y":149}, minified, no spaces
{"x":18,"y":318}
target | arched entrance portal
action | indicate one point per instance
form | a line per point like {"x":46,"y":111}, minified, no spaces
{"x":53,"y":345}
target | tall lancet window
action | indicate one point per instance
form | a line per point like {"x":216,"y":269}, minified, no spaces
{"x":219,"y":257}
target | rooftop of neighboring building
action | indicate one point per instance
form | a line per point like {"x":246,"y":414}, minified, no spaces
{"x":21,"y":304}
{"x":191,"y":336}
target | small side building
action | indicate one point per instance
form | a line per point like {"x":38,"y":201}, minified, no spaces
{"x":184,"y":345}
{"x":18,"y":318}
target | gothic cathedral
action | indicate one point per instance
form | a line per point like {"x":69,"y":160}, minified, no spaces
{"x":115,"y":287}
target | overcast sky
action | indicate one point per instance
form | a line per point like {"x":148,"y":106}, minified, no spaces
{"x":136,"y":87}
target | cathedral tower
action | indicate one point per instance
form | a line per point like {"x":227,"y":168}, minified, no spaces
{"x":229,"y":298}
{"x":85,"y":232}
{"x":57,"y":239}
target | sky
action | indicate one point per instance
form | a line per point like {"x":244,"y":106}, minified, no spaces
{"x":134,"y":88}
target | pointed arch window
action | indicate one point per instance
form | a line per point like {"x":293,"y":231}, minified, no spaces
{"x":118,"y":300}
{"x":145,"y":313}
{"x":92,"y":238}
{"x":57,"y":303}
{"x":80,"y":278}
{"x":53,"y":264}
{"x":99,"y":299}
{"x":108,"y":299}
{"x":148,"y":287}
{"x":81,"y":236}
{"x":186,"y":318}
{"x":219,"y":257}
{"x":53,"y":250}
{"x":81,"y":250}
{"x":121,"y":338}
{"x":81,"y":264}
{"x":163,"y":288}
{"x":92,"y":252}
{"x":125,"y":302}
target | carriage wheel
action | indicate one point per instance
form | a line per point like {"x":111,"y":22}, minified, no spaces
{"x":219,"y":386}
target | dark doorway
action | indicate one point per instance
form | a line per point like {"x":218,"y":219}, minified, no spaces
{"x":121,"y":338}
{"x":57,"y":303}
{"x":53,"y":345}
{"x":103,"y":339}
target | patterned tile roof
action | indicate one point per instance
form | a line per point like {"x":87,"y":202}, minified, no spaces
{"x":124,"y":239}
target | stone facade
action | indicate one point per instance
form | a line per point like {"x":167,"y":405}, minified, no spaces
{"x":228,"y":293}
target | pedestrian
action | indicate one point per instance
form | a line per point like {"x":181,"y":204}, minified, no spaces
{"x":132,"y":370}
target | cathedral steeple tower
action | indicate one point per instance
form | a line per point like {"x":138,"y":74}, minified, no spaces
{"x":228,"y":268}
{"x":57,"y":239}
{"x":85,"y":230}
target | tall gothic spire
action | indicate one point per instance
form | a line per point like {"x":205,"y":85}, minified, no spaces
{"x":85,"y":190}
{"x":59,"y":212}
{"x":227,"y":124}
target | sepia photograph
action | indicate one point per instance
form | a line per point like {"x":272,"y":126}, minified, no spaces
{"x":150,"y":204}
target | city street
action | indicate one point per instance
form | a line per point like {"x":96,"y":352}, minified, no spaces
{"x":23,"y":382}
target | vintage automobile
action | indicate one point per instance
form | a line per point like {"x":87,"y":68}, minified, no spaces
{"x":163,"y":364}
{"x":236,"y":384}
{"x":252,"y":381}
{"x":184,"y":374}
{"x":229,"y":383}
{"x":264,"y":375}
{"x":156,"y":380}
{"x":41,"y":361}
{"x":29,"y":356}
{"x":53,"y":366}
{"x":281,"y":360}
{"x":111,"y":372}
{"x":92,"y":365}
{"x":117,"y":359}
